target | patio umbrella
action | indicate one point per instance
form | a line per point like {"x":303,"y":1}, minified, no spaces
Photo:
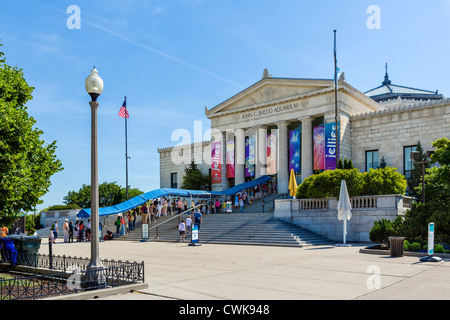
{"x":344,"y":207}
{"x":292,"y":184}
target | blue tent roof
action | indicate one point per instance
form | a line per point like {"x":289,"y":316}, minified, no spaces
{"x":143,"y":198}
{"x":233,"y":190}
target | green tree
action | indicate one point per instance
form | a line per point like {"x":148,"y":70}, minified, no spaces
{"x":194,"y":179}
{"x":109,"y":194}
{"x":26,"y":161}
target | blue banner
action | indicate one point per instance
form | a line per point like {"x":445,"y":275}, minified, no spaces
{"x":331,"y":149}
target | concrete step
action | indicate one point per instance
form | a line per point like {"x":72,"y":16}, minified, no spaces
{"x":236,"y":228}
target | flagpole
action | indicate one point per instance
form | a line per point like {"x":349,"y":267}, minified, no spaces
{"x":335,"y":102}
{"x":126,"y":150}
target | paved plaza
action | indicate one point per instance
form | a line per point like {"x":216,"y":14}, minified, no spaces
{"x":176,"y":271}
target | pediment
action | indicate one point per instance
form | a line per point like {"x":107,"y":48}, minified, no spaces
{"x":268,"y":91}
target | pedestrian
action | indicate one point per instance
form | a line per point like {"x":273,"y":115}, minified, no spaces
{"x":77,"y":230}
{"x":180,"y":205}
{"x":188,"y":224}
{"x":198,"y":218}
{"x":54,"y":229}
{"x":88,"y":230}
{"x":158,"y":209}
{"x":164,"y":208}
{"x":117,"y":224}
{"x":130,"y":220}
{"x":71,"y":231}
{"x":135,"y":212}
{"x":66,"y":230}
{"x":123,"y":227}
{"x":182,"y":230}
{"x":52,"y":236}
{"x":144,"y":210}
{"x":4,"y":231}
{"x":217,"y":205}
{"x":81,"y":231}
{"x":241,"y":204}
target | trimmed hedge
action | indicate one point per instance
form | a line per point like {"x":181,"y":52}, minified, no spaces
{"x":375,"y":182}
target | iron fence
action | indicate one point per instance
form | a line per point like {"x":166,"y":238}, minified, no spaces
{"x":66,"y":275}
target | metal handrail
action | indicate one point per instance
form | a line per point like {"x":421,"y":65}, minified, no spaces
{"x":170,"y":219}
{"x":280,"y":195}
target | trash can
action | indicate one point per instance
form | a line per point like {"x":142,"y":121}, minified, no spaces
{"x":8,"y":251}
{"x":396,"y":246}
{"x":27,"y":248}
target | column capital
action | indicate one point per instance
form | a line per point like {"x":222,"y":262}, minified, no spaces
{"x":260,"y":126}
{"x":306,"y":119}
{"x":282,"y":123}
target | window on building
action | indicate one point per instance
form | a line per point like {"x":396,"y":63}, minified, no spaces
{"x":173,"y":180}
{"x":372,"y":160}
{"x":408,"y":163}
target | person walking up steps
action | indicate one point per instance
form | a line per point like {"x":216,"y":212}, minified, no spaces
{"x":182,"y":230}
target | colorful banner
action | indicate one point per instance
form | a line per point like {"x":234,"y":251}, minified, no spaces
{"x":330,"y":146}
{"x":294,"y":150}
{"x":319,"y":147}
{"x":216,"y":173}
{"x":271,"y":154}
{"x":230,"y":158}
{"x":250,"y":156}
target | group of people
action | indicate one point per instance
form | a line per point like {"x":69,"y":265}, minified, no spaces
{"x":78,"y":230}
{"x":185,"y":227}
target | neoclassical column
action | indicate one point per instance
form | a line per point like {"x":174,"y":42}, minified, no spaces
{"x":239,"y":160}
{"x":261,"y":151}
{"x":283,"y":159}
{"x":307,"y":147}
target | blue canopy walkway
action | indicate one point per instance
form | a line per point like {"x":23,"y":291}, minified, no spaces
{"x":166,"y":192}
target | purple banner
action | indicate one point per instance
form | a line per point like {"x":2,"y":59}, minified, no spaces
{"x":319,"y":148}
{"x":250,"y":156}
{"x":294,"y":150}
{"x":330,"y":146}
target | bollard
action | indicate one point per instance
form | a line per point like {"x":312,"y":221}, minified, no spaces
{"x":50,"y":254}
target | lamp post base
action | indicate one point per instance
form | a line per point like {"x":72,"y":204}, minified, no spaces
{"x":430,"y":258}
{"x":95,"y":278}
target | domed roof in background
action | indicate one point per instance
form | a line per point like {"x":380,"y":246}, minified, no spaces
{"x":388,"y":91}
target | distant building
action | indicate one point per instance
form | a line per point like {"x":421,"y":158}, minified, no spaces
{"x":279,"y":124}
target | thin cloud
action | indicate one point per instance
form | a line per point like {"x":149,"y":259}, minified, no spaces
{"x":163,"y":54}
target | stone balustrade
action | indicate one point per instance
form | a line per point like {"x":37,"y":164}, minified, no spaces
{"x":320,"y":215}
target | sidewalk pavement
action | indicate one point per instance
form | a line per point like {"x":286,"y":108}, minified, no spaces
{"x":176,"y":271}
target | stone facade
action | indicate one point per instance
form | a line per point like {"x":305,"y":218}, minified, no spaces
{"x":276,"y":104}
{"x":398,"y":126}
{"x":174,"y":160}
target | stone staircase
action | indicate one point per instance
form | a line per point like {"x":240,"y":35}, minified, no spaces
{"x":234,"y":228}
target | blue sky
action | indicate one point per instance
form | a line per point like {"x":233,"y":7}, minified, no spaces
{"x":173,"y":58}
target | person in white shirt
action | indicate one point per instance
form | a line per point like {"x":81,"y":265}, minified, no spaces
{"x":182,"y":230}
{"x":158,"y":209}
{"x":188,"y":224}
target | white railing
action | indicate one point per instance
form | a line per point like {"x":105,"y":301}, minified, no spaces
{"x":364,"y":202}
{"x":313,"y":204}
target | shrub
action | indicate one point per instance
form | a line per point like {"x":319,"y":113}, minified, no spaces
{"x":439,"y":248}
{"x":406,"y":245}
{"x":302,"y":189}
{"x":415,"y":246}
{"x":328,"y":183}
{"x":381,"y":231}
{"x":384,"y":181}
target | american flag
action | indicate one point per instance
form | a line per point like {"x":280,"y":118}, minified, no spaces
{"x":123,"y":110}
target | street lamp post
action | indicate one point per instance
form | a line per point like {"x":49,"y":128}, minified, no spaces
{"x":94,"y":87}
{"x":415,"y":156}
